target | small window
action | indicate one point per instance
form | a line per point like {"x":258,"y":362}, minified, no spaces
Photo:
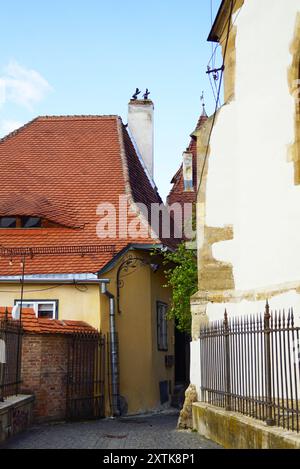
{"x":30,"y":222}
{"x":43,"y":309}
{"x":188,"y":171}
{"x":8,"y":222}
{"x":162,"y":326}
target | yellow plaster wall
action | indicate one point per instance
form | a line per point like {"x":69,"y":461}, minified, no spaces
{"x":80,"y":303}
{"x":160,"y":372}
{"x":133,"y":326}
{"x":141,"y":364}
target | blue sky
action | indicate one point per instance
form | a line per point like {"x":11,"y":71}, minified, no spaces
{"x":87,"y":57}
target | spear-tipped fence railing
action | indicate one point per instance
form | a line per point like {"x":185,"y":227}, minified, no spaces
{"x":10,"y":356}
{"x":251,"y":365}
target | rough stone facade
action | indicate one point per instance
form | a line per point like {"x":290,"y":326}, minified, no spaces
{"x":15,"y":415}
{"x":248,"y":200}
{"x":248,"y":206}
{"x":234,"y":431}
{"x":186,"y":418}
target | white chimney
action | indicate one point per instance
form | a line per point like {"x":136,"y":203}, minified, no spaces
{"x":140,"y":124}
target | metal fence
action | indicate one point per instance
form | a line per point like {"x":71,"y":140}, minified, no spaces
{"x":86,"y":374}
{"x":10,"y":357}
{"x":251,"y":365}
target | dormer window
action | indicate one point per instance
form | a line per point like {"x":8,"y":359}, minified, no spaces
{"x":31,"y":222}
{"x":8,"y":222}
{"x":20,"y":222}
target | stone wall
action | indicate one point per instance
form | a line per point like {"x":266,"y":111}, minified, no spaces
{"x":44,"y":374}
{"x":15,"y":415}
{"x":236,"y":431}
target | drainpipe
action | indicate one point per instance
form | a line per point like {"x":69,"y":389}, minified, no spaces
{"x":114,"y":358}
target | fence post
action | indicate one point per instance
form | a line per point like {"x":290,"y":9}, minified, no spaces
{"x":267,"y":335}
{"x":2,"y":363}
{"x":2,"y":343}
{"x":227,"y":361}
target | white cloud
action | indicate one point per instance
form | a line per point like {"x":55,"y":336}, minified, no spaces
{"x":22,"y":86}
{"x":7,"y":126}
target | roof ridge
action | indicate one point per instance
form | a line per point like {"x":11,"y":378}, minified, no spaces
{"x":124,"y":162}
{"x":78,"y":117}
{"x":17,"y":131}
{"x":125,"y":156}
{"x":56,"y":118}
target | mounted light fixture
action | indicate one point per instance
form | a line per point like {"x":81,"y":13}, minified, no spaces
{"x":154,"y":267}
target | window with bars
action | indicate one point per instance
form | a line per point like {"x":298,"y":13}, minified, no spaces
{"x":162,"y":326}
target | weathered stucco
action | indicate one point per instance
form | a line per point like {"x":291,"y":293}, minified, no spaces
{"x":248,"y":202}
{"x":235,"y":431}
{"x":294,"y":83}
{"x":186,"y":414}
{"x":248,"y":214}
{"x":250,"y":182}
{"x":16,"y":415}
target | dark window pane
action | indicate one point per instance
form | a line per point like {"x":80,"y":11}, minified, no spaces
{"x":162,"y":326}
{"x":46,"y":310}
{"x":46,"y":314}
{"x":30,"y":222}
{"x":8,"y":222}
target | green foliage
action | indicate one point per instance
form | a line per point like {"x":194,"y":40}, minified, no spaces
{"x":182,"y":277}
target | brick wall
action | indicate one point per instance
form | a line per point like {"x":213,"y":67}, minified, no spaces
{"x":44,"y":373}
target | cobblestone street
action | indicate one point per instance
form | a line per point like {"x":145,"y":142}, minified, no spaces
{"x":146,"y":432}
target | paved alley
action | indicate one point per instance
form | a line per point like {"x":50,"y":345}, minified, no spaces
{"x":143,"y":432}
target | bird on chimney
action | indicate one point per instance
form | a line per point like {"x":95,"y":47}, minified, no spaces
{"x":146,"y":95}
{"x":135,"y":95}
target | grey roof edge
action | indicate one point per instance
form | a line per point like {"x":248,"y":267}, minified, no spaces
{"x":130,"y":247}
{"x":63,"y":279}
{"x":213,"y":37}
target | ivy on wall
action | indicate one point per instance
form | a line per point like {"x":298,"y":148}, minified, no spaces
{"x":182,"y":276}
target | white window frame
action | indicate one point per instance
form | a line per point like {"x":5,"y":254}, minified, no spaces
{"x":34,"y":304}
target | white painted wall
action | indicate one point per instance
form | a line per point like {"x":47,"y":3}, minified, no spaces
{"x":195,"y":365}
{"x":140,"y":123}
{"x":285,"y":301}
{"x":250,"y":181}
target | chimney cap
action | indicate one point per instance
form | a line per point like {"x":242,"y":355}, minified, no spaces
{"x":134,"y":99}
{"x":141,"y":102}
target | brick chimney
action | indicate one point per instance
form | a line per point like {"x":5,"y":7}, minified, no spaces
{"x":140,"y":124}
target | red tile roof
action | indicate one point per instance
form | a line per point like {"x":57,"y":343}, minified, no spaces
{"x":177,"y":193}
{"x":60,"y":169}
{"x":32,"y":324}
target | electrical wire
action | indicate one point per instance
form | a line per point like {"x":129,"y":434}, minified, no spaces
{"x":42,"y":289}
{"x":211,"y":22}
{"x":221,"y":42}
{"x":233,"y":2}
{"x":212,"y":87}
{"x":82,"y":288}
